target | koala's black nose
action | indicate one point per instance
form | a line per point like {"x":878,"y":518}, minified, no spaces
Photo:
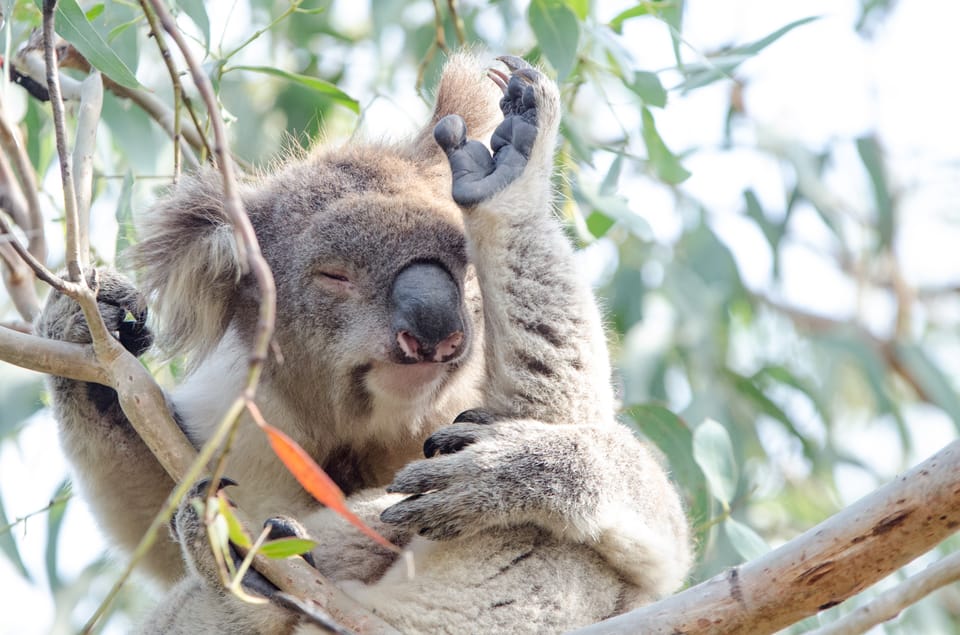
{"x":427,"y":318}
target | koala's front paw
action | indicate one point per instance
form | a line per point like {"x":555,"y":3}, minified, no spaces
{"x":478,"y":175}
{"x":123,"y":307}
{"x":494,"y":474}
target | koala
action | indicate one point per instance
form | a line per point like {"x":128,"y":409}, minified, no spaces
{"x":418,"y":284}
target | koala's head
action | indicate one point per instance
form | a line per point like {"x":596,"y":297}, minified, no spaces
{"x":375,"y":296}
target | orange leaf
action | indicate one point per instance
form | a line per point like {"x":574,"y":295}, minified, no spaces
{"x":313,"y":479}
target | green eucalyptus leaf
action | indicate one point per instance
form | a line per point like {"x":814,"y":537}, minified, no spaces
{"x":713,"y":452}
{"x":633,"y":12}
{"x":94,"y":12}
{"x":235,"y":530}
{"x":286,"y":547}
{"x":673,"y":436}
{"x":664,"y":163}
{"x":580,"y":7}
{"x":558,"y":33}
{"x":197,"y":11}
{"x":723,"y":65}
{"x":648,"y":87}
{"x":316,"y":84}
{"x":72,"y":24}
{"x":937,"y":386}
{"x":9,"y":546}
{"x":872,"y":157}
{"x":599,"y":224}
{"x":745,"y":540}
{"x":54,"y":525}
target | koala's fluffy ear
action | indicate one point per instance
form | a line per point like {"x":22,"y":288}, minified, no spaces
{"x":187,"y":264}
{"x":465,"y":90}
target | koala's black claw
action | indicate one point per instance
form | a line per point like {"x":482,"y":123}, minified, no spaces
{"x":514,"y":63}
{"x":226,"y":481}
{"x":446,"y":443}
{"x":499,"y":78}
{"x":311,"y":612}
{"x":475,"y":415}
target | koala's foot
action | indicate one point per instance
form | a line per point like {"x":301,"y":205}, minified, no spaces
{"x":478,"y":175}
{"x":123,"y":307}
{"x":188,"y":529}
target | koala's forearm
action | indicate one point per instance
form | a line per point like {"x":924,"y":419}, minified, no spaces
{"x":546,"y":349}
{"x":122,"y":481}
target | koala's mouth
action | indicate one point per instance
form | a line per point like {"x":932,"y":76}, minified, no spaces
{"x":406,"y":381}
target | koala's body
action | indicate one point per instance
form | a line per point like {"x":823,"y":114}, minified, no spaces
{"x":398,"y":307}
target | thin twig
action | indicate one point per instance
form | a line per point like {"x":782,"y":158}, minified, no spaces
{"x":59,"y":500}
{"x":38,"y":267}
{"x":13,"y":148}
{"x":457,"y":22}
{"x":30,"y":63}
{"x":157,"y":35}
{"x":74,"y":260}
{"x":18,"y":279}
{"x":247,"y":245}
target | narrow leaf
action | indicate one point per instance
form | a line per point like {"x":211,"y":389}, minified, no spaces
{"x":648,"y":87}
{"x":755,"y":47}
{"x":197,"y":12}
{"x":54,"y":525}
{"x":672,"y":435}
{"x":72,"y":24}
{"x":313,"y":479}
{"x":665,"y":164}
{"x":558,"y":32}
{"x":316,"y":84}
{"x":9,"y":546}
{"x":745,"y":540}
{"x":94,"y":12}
{"x":713,"y":452}
{"x":580,"y":7}
{"x":937,"y":386}
{"x":617,"y":22}
{"x":286,"y":547}
{"x":872,"y":157}
{"x":723,"y":65}
{"x":234,"y":529}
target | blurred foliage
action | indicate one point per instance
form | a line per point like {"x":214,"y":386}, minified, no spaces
{"x":752,"y":401}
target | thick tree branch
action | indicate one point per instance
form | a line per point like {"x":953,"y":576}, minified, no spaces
{"x":890,"y":603}
{"x":65,"y":359}
{"x":820,"y":568}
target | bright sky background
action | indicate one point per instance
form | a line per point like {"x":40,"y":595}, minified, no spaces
{"x":820,"y":83}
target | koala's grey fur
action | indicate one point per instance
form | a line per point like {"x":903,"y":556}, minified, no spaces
{"x":549,"y":517}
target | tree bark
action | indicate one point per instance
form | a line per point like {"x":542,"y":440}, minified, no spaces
{"x":819,"y":569}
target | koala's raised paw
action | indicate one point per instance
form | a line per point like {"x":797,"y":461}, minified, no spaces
{"x":123,"y":307}
{"x":478,"y":175}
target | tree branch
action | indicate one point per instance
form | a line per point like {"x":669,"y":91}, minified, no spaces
{"x":818,"y":569}
{"x":65,"y":359}
{"x":74,"y":257}
{"x":890,"y":603}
